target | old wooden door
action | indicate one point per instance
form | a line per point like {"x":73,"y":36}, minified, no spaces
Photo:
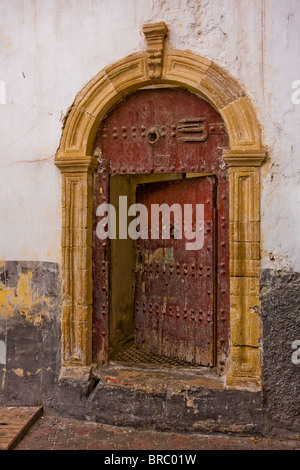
{"x":175,"y":286}
{"x":165,"y":133}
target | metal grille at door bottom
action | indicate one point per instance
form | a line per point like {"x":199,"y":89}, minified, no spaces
{"x":137,"y":356}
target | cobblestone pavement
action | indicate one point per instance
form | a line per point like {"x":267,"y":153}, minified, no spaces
{"x":53,"y":432}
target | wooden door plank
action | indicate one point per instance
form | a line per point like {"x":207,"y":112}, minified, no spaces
{"x":15,"y":421}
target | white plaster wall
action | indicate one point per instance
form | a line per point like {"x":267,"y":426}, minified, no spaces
{"x":50,"y":48}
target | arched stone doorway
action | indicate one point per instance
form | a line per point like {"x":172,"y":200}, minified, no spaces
{"x":243,"y":159}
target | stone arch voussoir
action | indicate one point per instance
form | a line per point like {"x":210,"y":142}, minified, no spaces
{"x":245,"y":156}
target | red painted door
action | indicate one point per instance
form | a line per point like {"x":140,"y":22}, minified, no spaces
{"x":166,"y":131}
{"x":175,"y":286}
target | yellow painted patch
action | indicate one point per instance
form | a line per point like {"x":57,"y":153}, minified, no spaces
{"x":6,"y":298}
{"x":25,"y":299}
{"x":19,"y":372}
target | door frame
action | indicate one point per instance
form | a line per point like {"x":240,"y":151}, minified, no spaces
{"x":160,"y":66}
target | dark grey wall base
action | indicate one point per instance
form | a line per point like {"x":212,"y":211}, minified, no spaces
{"x":31,"y":366}
{"x":280,"y":311}
{"x":31,"y":336}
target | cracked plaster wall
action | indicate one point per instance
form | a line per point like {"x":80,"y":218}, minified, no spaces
{"x":49,"y":50}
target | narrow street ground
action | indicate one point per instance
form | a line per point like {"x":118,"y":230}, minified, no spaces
{"x":52,"y":432}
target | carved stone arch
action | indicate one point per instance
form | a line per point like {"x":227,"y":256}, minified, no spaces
{"x":245,"y":156}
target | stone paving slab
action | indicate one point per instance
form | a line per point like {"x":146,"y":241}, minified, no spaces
{"x":52,"y":432}
{"x":15,"y":422}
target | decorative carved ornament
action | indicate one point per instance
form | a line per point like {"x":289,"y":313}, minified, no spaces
{"x":155,"y":35}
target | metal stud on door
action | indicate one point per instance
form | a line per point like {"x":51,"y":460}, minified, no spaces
{"x":175,"y":286}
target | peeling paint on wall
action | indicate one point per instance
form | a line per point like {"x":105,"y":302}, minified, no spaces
{"x":29,"y":329}
{"x":19,"y":372}
{"x":25,"y":299}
